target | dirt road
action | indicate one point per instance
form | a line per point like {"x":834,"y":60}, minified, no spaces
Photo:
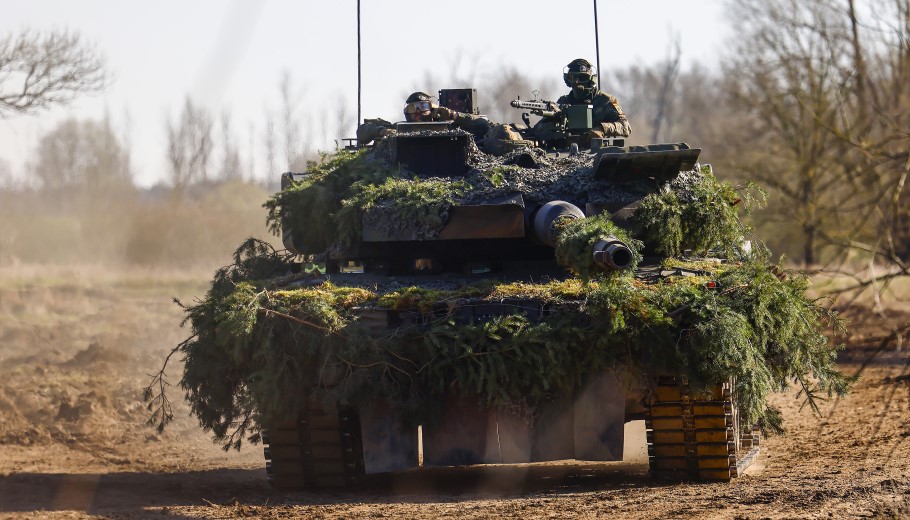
{"x":75,"y":348}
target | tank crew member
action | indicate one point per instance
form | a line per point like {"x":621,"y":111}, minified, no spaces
{"x":419,"y":107}
{"x":607,"y":116}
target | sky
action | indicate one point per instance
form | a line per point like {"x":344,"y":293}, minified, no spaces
{"x":230,"y":55}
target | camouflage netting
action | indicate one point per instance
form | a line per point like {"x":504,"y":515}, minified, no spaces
{"x":264,"y":341}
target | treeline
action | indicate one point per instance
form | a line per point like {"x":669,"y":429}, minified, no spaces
{"x":810,"y":102}
{"x":120,"y":225}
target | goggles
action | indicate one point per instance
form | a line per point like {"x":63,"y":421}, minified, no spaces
{"x":418,"y":106}
{"x":580,"y":77}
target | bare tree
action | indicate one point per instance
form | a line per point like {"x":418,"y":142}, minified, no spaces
{"x":40,"y":70}
{"x":189,"y":146}
{"x":269,"y":141}
{"x":290,"y":124}
{"x":876,"y":126}
{"x":230,"y":154}
{"x":251,"y":154}
{"x":344,"y":121}
{"x":126,"y":138}
{"x":81,"y":154}
{"x":324,"y":125}
{"x":663,"y":106}
{"x":823,"y":89}
{"x":790,"y":78}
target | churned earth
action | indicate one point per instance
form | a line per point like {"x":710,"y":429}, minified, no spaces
{"x":77,"y":345}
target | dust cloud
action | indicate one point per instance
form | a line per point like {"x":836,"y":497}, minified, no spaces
{"x":87,"y":281}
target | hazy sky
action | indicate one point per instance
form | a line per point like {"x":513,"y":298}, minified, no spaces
{"x":231,"y":55}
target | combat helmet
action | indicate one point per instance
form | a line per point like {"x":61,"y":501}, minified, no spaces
{"x":582,"y":71}
{"x":418,"y":103}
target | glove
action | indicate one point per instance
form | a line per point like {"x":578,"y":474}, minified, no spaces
{"x":444,"y":114}
{"x":594,"y":133}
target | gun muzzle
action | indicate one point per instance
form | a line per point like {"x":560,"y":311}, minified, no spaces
{"x":612,"y":254}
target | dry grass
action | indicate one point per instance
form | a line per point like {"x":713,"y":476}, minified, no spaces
{"x":76,"y":347}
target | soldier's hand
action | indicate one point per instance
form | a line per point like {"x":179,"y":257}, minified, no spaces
{"x":594,"y":133}
{"x":385,"y":132}
{"x":445,"y":114}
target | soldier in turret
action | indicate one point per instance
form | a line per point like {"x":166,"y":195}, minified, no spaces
{"x":419,"y":107}
{"x":607,"y":116}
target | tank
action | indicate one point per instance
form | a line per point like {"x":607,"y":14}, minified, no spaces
{"x":500,"y":223}
{"x":441,"y":306}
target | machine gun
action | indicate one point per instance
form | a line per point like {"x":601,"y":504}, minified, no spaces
{"x":540,"y":107}
{"x":561,"y":124}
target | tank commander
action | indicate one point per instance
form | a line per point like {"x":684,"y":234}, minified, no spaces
{"x":607,"y":117}
{"x":579,"y":76}
{"x":419,"y":107}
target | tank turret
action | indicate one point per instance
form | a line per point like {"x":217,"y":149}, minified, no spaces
{"x":491,"y":213}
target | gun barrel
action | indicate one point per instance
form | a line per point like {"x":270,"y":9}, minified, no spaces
{"x":531,"y":105}
{"x":612,"y":254}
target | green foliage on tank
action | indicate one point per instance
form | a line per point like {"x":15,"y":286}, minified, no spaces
{"x":576,"y":239}
{"x":264,"y":341}
{"x":698,"y":216}
{"x":258,"y":351}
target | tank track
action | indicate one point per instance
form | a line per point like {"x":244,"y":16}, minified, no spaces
{"x":321,"y":449}
{"x":699,"y":439}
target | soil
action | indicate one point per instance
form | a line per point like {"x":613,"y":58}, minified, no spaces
{"x":76,"y":348}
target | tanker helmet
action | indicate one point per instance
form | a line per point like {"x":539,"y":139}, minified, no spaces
{"x":579,"y":75}
{"x":418,"y":107}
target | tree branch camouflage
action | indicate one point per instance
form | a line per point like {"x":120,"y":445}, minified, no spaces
{"x":264,"y":341}
{"x":259,"y":351}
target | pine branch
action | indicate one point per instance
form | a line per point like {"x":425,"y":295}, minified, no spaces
{"x":158,"y":403}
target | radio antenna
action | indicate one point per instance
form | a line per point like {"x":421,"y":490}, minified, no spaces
{"x":596,"y":42}
{"x":358,"y":62}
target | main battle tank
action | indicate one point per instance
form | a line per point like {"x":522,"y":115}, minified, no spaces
{"x":464,"y":242}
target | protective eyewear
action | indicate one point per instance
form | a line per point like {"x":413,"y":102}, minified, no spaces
{"x":417,"y":106}
{"x":581,"y":77}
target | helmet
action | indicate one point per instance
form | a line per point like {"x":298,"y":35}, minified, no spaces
{"x":580,"y":71}
{"x":418,"y":105}
{"x":418,"y":96}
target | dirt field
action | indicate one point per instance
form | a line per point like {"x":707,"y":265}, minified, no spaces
{"x":75,"y":348}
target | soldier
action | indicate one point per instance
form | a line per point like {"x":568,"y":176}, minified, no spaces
{"x":419,"y":107}
{"x":607,"y":116}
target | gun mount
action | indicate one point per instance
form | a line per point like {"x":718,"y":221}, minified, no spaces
{"x":576,"y":118}
{"x":562,"y":124}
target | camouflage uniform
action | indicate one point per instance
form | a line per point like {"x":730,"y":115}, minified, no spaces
{"x":607,"y":118}
{"x":493,"y":138}
{"x":373,"y":129}
{"x":606,"y":112}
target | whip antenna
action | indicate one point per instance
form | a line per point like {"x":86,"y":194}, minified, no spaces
{"x":358,"y":62}
{"x":596,"y":43}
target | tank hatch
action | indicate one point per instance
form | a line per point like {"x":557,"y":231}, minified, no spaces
{"x":660,"y":162}
{"x":427,"y":149}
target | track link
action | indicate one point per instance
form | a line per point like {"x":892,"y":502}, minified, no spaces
{"x":321,"y":449}
{"x":700,"y":439}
